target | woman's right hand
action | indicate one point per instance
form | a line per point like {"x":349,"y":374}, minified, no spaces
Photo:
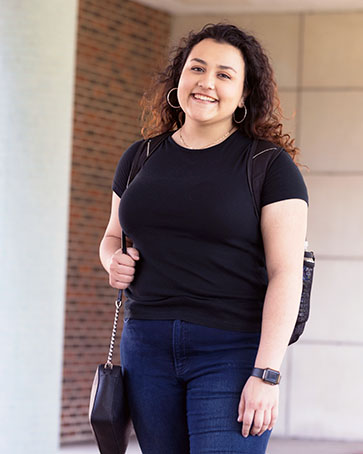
{"x":122,"y":267}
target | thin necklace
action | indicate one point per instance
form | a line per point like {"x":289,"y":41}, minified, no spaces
{"x":210,"y":144}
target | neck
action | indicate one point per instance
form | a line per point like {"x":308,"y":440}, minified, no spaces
{"x":199,"y":136}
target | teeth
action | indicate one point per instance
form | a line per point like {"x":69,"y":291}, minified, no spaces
{"x":204,"y":98}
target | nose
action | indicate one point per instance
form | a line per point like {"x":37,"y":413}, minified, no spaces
{"x":206,"y":80}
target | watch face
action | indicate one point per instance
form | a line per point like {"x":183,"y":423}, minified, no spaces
{"x":271,"y":376}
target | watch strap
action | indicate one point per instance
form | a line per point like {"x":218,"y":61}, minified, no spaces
{"x":267,"y":375}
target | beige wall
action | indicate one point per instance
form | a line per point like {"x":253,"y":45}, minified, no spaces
{"x":318,"y":59}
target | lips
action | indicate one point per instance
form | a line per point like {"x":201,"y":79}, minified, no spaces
{"x":205,"y":98}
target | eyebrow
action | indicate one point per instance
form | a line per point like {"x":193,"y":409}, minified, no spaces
{"x":219,"y":66}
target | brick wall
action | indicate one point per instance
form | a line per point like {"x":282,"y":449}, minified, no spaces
{"x":118,"y":44}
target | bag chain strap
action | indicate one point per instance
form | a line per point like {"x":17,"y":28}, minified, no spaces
{"x":118,"y":304}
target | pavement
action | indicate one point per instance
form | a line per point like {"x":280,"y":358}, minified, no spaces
{"x":276,"y":446}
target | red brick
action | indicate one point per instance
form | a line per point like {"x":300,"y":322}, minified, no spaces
{"x":118,"y":44}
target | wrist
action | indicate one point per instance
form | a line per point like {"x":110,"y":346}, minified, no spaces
{"x":267,"y":375}
{"x":268,"y":363}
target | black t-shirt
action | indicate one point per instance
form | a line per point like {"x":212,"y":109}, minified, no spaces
{"x":190,"y":215}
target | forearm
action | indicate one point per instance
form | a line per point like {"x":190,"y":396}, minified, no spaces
{"x":109,"y":245}
{"x":280,"y":312}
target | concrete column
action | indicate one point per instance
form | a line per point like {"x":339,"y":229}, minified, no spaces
{"x":37,"y":54}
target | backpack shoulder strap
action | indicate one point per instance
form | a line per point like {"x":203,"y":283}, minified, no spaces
{"x":146,"y":148}
{"x":261,"y":155}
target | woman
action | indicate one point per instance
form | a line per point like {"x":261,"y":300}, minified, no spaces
{"x":212,"y":292}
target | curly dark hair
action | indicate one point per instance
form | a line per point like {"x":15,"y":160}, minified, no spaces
{"x":261,"y":97}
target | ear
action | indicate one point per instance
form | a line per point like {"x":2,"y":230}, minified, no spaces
{"x":245,"y":95}
{"x":241,"y":103}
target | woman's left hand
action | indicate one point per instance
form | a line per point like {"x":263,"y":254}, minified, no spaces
{"x":258,"y":406}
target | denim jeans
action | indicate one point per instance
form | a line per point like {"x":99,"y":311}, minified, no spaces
{"x":184,"y":383}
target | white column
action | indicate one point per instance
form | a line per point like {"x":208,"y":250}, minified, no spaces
{"x":37,"y":58}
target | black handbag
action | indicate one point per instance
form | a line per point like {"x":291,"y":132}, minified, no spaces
{"x":261,"y":154}
{"x":109,"y":413}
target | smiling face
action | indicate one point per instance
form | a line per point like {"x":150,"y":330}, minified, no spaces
{"x":211,"y":83}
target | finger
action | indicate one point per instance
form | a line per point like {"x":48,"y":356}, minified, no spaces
{"x":122,"y":259}
{"x":241,"y":409}
{"x":134,"y":253}
{"x":274,"y":416}
{"x":257,"y":422}
{"x":266,"y":422}
{"x":247,"y":422}
{"x":121,"y":270}
{"x":126,"y":278}
{"x":121,"y":283}
{"x":117,"y":284}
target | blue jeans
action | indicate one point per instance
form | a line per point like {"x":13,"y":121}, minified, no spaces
{"x":184,"y":383}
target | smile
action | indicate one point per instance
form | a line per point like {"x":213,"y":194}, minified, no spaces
{"x":203,"y":97}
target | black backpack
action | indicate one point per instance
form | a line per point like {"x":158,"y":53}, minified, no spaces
{"x":261,"y":154}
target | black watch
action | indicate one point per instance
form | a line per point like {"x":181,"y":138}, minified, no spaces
{"x":267,"y":375}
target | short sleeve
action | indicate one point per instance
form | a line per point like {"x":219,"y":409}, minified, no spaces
{"x":283,"y":181}
{"x":123,"y":169}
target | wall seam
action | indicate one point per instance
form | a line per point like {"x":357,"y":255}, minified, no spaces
{"x":335,"y":343}
{"x":299,"y":71}
{"x":326,"y":89}
{"x":300,"y":68}
{"x":335,"y":173}
{"x":339,"y":258}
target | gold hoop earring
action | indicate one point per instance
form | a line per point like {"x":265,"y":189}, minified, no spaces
{"x":168,"y":98}
{"x":244,"y":116}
